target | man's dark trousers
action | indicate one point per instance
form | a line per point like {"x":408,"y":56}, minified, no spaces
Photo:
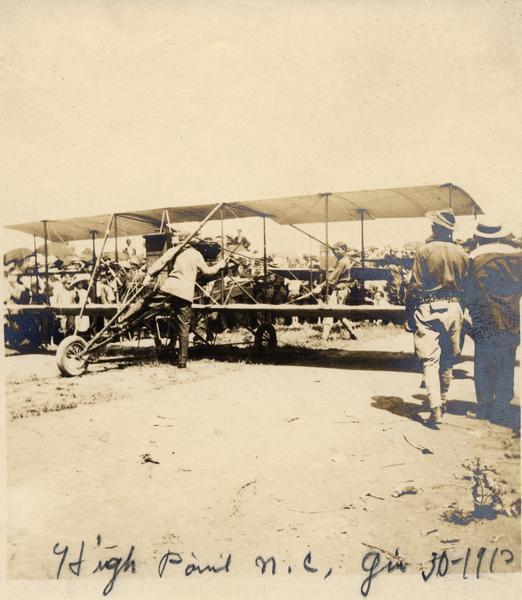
{"x":495,"y":357}
{"x":182,"y":313}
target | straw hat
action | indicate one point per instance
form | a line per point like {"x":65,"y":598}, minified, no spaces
{"x":489,"y":229}
{"x":79,"y":278}
{"x":445,"y":218}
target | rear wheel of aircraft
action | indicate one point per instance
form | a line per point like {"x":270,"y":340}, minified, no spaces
{"x":265,"y":338}
{"x":68,"y":358}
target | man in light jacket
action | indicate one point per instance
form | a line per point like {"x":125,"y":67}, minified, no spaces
{"x":183,"y":266}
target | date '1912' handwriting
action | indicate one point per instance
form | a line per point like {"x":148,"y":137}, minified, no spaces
{"x":471,"y":564}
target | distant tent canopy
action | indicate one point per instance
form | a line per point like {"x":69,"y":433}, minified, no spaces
{"x":58,"y":249}
{"x":342,"y":206}
{"x":17,"y":255}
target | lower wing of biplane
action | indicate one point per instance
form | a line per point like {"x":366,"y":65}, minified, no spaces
{"x":354,"y":313}
{"x":76,"y":352}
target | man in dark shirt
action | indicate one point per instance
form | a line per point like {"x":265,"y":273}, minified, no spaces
{"x":493,"y":291}
{"x":434,"y":304}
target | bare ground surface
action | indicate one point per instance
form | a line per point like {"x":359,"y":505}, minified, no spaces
{"x":308,"y":449}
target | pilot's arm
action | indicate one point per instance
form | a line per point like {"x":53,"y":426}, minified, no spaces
{"x":210,"y":270}
{"x":342,"y":265}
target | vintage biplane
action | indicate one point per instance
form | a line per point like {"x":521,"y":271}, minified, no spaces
{"x":75,"y":352}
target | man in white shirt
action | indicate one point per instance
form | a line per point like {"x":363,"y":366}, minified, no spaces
{"x":178,"y":288}
{"x":129,"y":251}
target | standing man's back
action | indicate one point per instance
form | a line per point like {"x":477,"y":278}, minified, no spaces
{"x":493,"y":294}
{"x":182,"y":276}
{"x":439,"y":268}
{"x":434,"y":303}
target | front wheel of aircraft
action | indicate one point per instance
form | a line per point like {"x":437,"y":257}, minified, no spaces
{"x":68,"y":356}
{"x":265,"y":338}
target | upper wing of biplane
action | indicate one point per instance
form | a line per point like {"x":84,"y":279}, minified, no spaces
{"x":339,"y":206}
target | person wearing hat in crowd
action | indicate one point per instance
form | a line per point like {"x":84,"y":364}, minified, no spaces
{"x":17,"y":291}
{"x":435,"y":314}
{"x":178,"y":288}
{"x":129,"y":251}
{"x":493,"y":291}
{"x":396,"y":286}
{"x":78,"y":287}
{"x":62,"y":294}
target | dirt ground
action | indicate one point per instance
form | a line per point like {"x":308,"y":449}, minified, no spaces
{"x":319,"y":447}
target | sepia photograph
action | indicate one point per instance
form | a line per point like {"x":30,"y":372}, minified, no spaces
{"x":262,"y":279}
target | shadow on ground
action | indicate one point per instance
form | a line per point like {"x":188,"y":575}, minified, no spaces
{"x":397,"y":406}
{"x":285,"y":355}
{"x":332,"y":358}
{"x":509,"y":417}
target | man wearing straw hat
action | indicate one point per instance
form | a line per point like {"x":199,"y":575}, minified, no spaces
{"x":434,"y":305}
{"x":493,"y":292}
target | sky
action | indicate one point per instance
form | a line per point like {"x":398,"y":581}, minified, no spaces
{"x":122,"y":105}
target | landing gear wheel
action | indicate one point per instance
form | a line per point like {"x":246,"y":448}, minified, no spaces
{"x":265,"y":338}
{"x":68,"y":358}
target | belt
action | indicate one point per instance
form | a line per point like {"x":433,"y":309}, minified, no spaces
{"x":437,"y":298}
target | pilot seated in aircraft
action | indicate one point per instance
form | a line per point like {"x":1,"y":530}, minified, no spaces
{"x":335,"y":278}
{"x":178,"y":288}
